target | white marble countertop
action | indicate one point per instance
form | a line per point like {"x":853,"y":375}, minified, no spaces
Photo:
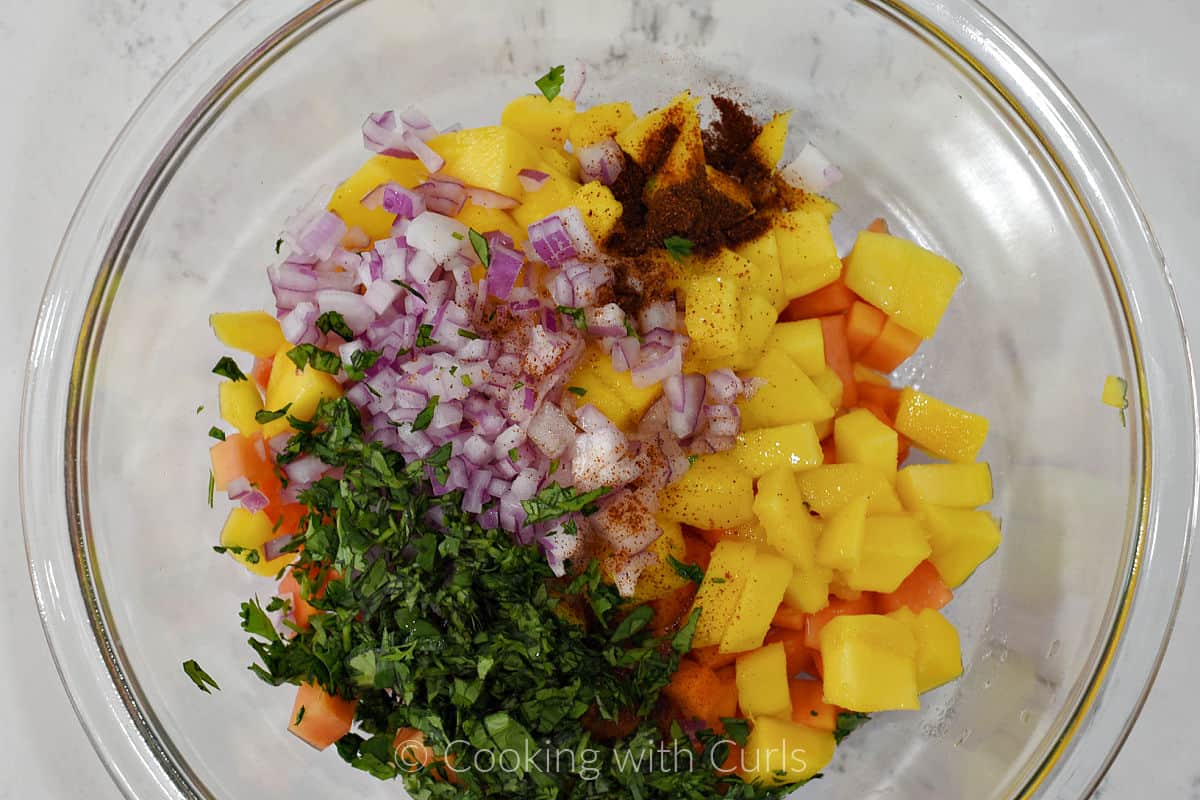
{"x":75,"y":69}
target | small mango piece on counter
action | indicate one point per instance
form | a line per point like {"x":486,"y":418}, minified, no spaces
{"x":767,"y":147}
{"x":599,"y":123}
{"x":490,"y":219}
{"x":939,"y":652}
{"x":870,"y":663}
{"x":240,"y":401}
{"x":599,"y":209}
{"x":861,"y":438}
{"x":556,"y":193}
{"x":488,"y":157}
{"x":758,"y":319}
{"x":939,"y":428}
{"x":911,"y":284}
{"x":808,"y":590}
{"x":320,"y":718}
{"x":961,"y":540}
{"x":715,"y":492}
{"x":762,"y":682}
{"x":610,"y":391}
{"x":780,"y":752}
{"x":840,"y":545}
{"x":540,"y":119}
{"x":255,"y":332}
{"x":660,"y":578}
{"x":763,"y":253}
{"x":803,"y":341}
{"x":808,"y":256}
{"x":794,"y":447}
{"x":347,"y":198}
{"x":826,"y":489}
{"x":1115,"y":393}
{"x":780,"y":509}
{"x":713,"y":318}
{"x":765,"y":586}
{"x":244,"y":534}
{"x":892,"y":547}
{"x":954,"y":485}
{"x":300,"y":390}
{"x":724,"y":580}
{"x":784,"y":396}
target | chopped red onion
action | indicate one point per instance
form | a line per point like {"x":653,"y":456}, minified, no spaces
{"x":502,"y":271}
{"x":811,"y":171}
{"x":602,"y":161}
{"x":381,"y":294}
{"x":551,"y":241}
{"x":416,"y":121}
{"x":254,"y":501}
{"x":656,"y":364}
{"x":315,"y":236}
{"x":443,"y":195}
{"x":381,"y":136}
{"x":352,"y":306}
{"x":532,"y":179}
{"x":485,"y":198}
{"x":434,"y":234}
{"x":305,"y":469}
{"x":574,"y":78}
{"x":297,"y":324}
{"x":685,"y":394}
{"x":659,"y":314}
{"x":428,"y":157}
{"x":724,"y":386}
{"x":606,"y":321}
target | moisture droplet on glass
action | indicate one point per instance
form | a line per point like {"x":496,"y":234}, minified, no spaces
{"x":1025,"y":716}
{"x":1055,"y":646}
{"x":963,"y":739}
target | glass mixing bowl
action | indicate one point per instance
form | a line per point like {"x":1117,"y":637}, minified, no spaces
{"x":942,"y":121}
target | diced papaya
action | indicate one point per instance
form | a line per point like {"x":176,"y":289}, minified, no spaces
{"x":786,"y":396}
{"x":922,"y":589}
{"x":864,"y":323}
{"x":712,"y":657}
{"x":807,"y":254}
{"x":790,"y":618}
{"x":939,"y":428}
{"x":799,"y":657}
{"x":890,"y":348}
{"x":696,"y":550}
{"x":909,"y":283}
{"x":835,"y":298}
{"x":837,"y":356}
{"x":598,"y":123}
{"x":302,"y":611}
{"x":699,"y":693}
{"x":319,"y":718}
{"x":953,"y":485}
{"x":255,"y":332}
{"x":885,"y":397}
{"x":794,"y":447}
{"x":540,"y":119}
{"x":893,"y":545}
{"x":809,"y":706}
{"x":670,"y":610}
{"x":724,"y":580}
{"x":870,"y":663}
{"x":961,"y":540}
{"x":243,"y":457}
{"x":779,"y":752}
{"x":762,"y":682}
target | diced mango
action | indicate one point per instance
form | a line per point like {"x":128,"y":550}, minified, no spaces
{"x":491,"y":219}
{"x":714,"y":493}
{"x":828,"y":488}
{"x":767,"y":147}
{"x":861,"y":438}
{"x":939,"y":428}
{"x":762,"y":683}
{"x":808,"y":590}
{"x":870,"y":663}
{"x":556,"y":193}
{"x":763,"y":253}
{"x":713,"y":318}
{"x":892,"y":546}
{"x":954,"y":485}
{"x":939,"y":652}
{"x":780,"y":751}
{"x":255,"y":332}
{"x":240,"y":401}
{"x":599,"y":209}
{"x":540,"y":119}
{"x":600,"y":122}
{"x":765,"y":586}
{"x":244,"y":534}
{"x":612,"y":392}
{"x":864,"y":375}
{"x":347,"y":198}
{"x":302,"y":389}
{"x":786,"y":396}
{"x":660,"y":578}
{"x":794,"y":446}
{"x":724,"y":580}
{"x":803,"y":341}
{"x":556,"y":159}
{"x":638,"y":138}
{"x":961,"y":540}
{"x":489,"y":157}
{"x":808,"y":256}
{"x":758,"y":319}
{"x":818,"y":204}
{"x":780,"y":509}
{"x":840,"y":545}
{"x":830,"y":385}
{"x":911,"y":284}
{"x":1115,"y":392}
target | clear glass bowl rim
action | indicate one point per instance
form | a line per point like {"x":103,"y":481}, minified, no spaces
{"x":1164,"y":396}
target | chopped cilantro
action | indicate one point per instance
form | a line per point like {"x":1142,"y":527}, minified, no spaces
{"x":578,"y":391}
{"x":256,"y":622}
{"x":847,"y":723}
{"x":250,"y":554}
{"x":360,"y":362}
{"x":278,"y":245}
{"x":410,"y":290}
{"x":299,"y":716}
{"x":689,"y":572}
{"x":466,"y":334}
{"x":466,"y":379}
{"x":551,"y":83}
{"x":481,"y":247}
{"x":227,"y":368}
{"x":426,"y":416}
{"x":518,"y":385}
{"x":199,"y":677}
{"x":457,"y":235}
{"x":555,"y":501}
{"x":199,"y":409}
{"x":553,"y":466}
{"x":716,"y":580}
{"x":514,"y":455}
{"x":212,"y":484}
{"x":737,"y":729}
{"x":423,"y":336}
{"x":577,"y":314}
{"x":692,"y":459}
{"x":678,"y":247}
{"x":310,"y":355}
{"x":333,"y":321}
{"x":216,"y":433}
{"x":630,"y":330}
{"x":264,"y":416}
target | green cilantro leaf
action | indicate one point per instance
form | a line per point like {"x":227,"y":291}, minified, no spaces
{"x":216,"y":433}
{"x":678,"y":247}
{"x":555,"y":501}
{"x":256,"y":622}
{"x":278,"y":245}
{"x":578,"y":391}
{"x":264,"y":416}
{"x":551,"y":83}
{"x":514,"y":455}
{"x":578,"y":315}
{"x":736,"y":729}
{"x":426,"y":415}
{"x":689,"y":572}
{"x":360,"y":362}
{"x":423,"y":336}
{"x":310,"y":355}
{"x":199,"y":677}
{"x":457,"y":235}
{"x":466,"y":379}
{"x":466,"y":334}
{"x":212,"y":483}
{"x":333,"y":321}
{"x":847,"y":723}
{"x":227,"y":368}
{"x":410,"y":290}
{"x":481,"y":247}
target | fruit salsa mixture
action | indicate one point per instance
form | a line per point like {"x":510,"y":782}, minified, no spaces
{"x":571,"y":447}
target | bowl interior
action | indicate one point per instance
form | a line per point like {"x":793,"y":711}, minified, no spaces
{"x":922,"y":141}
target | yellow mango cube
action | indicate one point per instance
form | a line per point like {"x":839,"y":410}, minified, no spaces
{"x":244,"y":534}
{"x":911,"y":284}
{"x":713,"y":318}
{"x":254,"y":332}
{"x":828,"y":488}
{"x":803,"y":341}
{"x":840,"y":545}
{"x":786,"y":395}
{"x":600,"y":122}
{"x":767,"y":147}
{"x":818,"y":204}
{"x":1115,"y":392}
{"x":808,"y":256}
{"x":347,"y":198}
{"x":660,"y":578}
{"x":870,"y":663}
{"x":954,"y":485}
{"x":939,"y":428}
{"x":491,"y":219}
{"x":762,"y":683}
{"x":939,"y":652}
{"x":540,"y":119}
{"x":239,"y":402}
{"x":489,"y":157}
{"x":779,"y":752}
{"x":961,"y":540}
{"x":599,"y":209}
{"x":302,"y":389}
{"x":638,"y":138}
{"x":765,"y":586}
{"x":794,"y":447}
{"x":724,"y":581}
{"x":748,"y":532}
{"x":860,"y":438}
{"x":758,"y":318}
{"x":780,"y":510}
{"x":714,"y":493}
{"x":763,"y":253}
{"x":556,"y":193}
{"x":612,"y":392}
{"x":808,"y":590}
{"x":830,"y":385}
{"x":892,"y":547}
